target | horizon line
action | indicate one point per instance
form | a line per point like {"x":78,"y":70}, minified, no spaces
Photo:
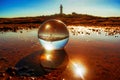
{"x":57,"y":14}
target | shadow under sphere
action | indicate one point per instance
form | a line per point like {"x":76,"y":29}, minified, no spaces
{"x":43,"y":62}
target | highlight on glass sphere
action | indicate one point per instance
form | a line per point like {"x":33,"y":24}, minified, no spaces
{"x":53,"y":34}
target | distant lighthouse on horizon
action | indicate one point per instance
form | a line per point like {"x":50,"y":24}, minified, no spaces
{"x":61,"y":9}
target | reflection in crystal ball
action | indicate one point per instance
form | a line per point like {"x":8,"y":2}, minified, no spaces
{"x":53,"y":34}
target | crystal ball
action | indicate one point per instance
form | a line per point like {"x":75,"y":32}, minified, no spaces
{"x":53,"y":34}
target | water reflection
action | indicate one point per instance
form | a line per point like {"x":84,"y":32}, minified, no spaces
{"x":43,"y":62}
{"x":99,"y":46}
{"x":75,"y":70}
{"x":79,"y":70}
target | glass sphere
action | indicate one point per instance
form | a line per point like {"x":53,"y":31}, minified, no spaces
{"x":53,"y":34}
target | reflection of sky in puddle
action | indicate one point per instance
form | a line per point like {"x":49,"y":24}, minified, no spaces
{"x":11,"y":39}
{"x":109,"y":33}
{"x":96,"y":50}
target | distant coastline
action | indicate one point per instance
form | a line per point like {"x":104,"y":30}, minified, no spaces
{"x":70,"y":19}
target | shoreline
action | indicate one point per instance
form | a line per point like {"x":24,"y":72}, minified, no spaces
{"x":15,"y":27}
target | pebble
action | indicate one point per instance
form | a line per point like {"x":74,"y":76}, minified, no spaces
{"x":11,"y":71}
{"x":2,"y":74}
{"x":9,"y":78}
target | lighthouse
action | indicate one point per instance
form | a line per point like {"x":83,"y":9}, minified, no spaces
{"x":61,"y":9}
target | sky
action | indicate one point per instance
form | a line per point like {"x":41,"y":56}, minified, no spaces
{"x":27,"y":8}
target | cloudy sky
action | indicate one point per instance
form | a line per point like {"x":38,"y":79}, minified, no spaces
{"x":23,"y":8}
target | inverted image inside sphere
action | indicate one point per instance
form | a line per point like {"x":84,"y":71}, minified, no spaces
{"x":53,"y":30}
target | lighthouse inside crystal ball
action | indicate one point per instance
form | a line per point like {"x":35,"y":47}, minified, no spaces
{"x":53,"y":34}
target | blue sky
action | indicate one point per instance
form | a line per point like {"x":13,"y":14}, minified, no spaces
{"x":23,"y":8}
